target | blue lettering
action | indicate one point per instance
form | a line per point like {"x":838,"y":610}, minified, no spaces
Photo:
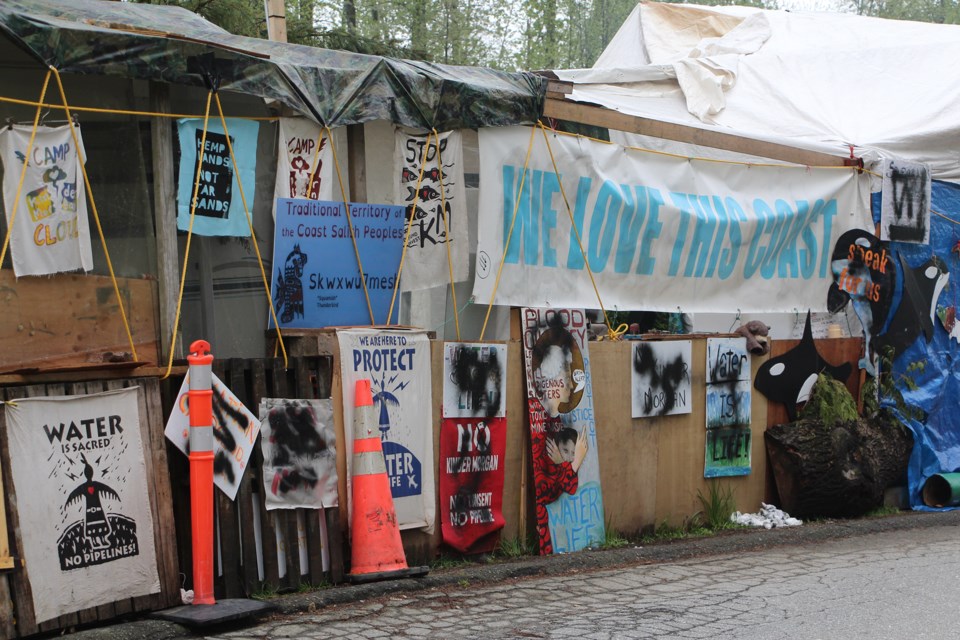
{"x":728,"y":257}
{"x":603,"y":225}
{"x":682,"y":202}
{"x":631,"y":220}
{"x":551,"y":185}
{"x":574,"y":256}
{"x":651,"y":232}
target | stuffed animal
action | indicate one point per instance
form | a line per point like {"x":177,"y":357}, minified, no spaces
{"x":756,"y":334}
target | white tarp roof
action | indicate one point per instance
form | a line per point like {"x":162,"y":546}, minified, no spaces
{"x":821,"y":81}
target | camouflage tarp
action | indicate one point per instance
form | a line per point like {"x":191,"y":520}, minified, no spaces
{"x":170,"y":44}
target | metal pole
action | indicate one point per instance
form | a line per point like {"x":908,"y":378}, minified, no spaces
{"x":200,"y":397}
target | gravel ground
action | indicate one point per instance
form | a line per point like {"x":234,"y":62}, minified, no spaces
{"x":732,"y":541}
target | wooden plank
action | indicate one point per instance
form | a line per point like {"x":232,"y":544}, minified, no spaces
{"x":8,"y":623}
{"x":165,"y":218}
{"x":247,"y":579}
{"x":356,"y":163}
{"x":19,"y":580}
{"x":73,"y":320}
{"x":228,"y":510}
{"x":609,"y":119}
{"x":335,"y":540}
{"x":268,"y":544}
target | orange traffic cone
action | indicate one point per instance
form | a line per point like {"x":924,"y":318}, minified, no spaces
{"x":377,"y":551}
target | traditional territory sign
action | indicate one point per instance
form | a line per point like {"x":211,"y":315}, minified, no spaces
{"x":219,"y":210}
{"x":316,"y":281}
{"x":397,"y":363}
{"x":299,"y":453}
{"x":728,"y":408}
{"x":660,"y":378}
{"x":473,"y":440}
{"x":78,"y":468}
{"x":51,"y":233}
{"x":659,"y":232}
{"x":441,"y":193}
{"x":235,"y":431}
{"x":566,"y":468}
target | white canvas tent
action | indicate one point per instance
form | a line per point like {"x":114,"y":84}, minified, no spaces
{"x":819,"y":81}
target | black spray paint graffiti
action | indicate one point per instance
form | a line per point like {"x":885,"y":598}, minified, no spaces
{"x":663,"y":393}
{"x":472,"y":440}
{"x":288,"y":298}
{"x":910,"y":202}
{"x":297,"y":444}
{"x":215,"y":191}
{"x":223,"y":413}
{"x":479,"y":379}
{"x":726,"y":370}
{"x":428,"y":207}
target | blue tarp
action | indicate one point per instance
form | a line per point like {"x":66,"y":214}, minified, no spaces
{"x":937,"y":439}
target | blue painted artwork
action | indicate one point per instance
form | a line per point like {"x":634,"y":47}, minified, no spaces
{"x":316,"y":279}
{"x":728,"y":406}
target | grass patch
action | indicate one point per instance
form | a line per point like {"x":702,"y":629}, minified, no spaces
{"x":266,"y":592}
{"x":717,"y":506}
{"x":691,"y":527}
{"x":880,"y":512}
{"x":515,"y":547}
{"x":613,"y":539}
{"x":444,"y":561}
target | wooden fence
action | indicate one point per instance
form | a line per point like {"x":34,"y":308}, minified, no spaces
{"x":259,"y":550}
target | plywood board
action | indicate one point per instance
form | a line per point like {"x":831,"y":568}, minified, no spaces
{"x":69,"y":321}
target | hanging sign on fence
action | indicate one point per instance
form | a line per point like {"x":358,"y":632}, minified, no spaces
{"x":299,"y":453}
{"x":659,"y":232}
{"x":438,"y":191}
{"x":78,"y":468}
{"x":51,"y":233}
{"x":219,"y":210}
{"x":728,"y":408}
{"x":473,"y":439}
{"x":660,"y":378}
{"x":397,"y":362}
{"x":235,"y":432}
{"x":316,"y":280}
{"x":298,"y":159}
{"x":563,"y":435}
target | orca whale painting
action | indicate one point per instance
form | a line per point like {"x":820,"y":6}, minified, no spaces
{"x":914,"y":316}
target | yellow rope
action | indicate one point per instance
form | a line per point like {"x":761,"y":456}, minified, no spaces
{"x":253,"y":234}
{"x":316,"y":167}
{"x":506,"y":245}
{"x":96,"y":215}
{"x":413,"y":213}
{"x":186,"y":252}
{"x":446,"y":230}
{"x":23,"y":172}
{"x":346,"y":206}
{"x":124,"y":112}
{"x":612,"y":333}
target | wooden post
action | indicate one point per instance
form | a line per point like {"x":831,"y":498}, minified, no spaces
{"x":356,"y":163}
{"x":276,"y":20}
{"x":165,"y":217}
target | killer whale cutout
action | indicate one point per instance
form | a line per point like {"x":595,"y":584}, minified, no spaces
{"x":914,"y":316}
{"x":789,"y":378}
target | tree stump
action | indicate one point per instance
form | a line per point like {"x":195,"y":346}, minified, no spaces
{"x":840,"y":470}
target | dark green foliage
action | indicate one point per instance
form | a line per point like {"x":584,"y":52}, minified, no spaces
{"x":830,"y":402}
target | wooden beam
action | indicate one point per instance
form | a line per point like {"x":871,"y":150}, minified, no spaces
{"x":357,"y":163}
{"x":276,"y":20}
{"x":609,"y":119}
{"x":165,"y":216}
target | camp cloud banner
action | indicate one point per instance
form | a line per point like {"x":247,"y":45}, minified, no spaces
{"x":566,"y":468}
{"x":397,"y":363}
{"x":219,"y":210}
{"x":78,"y":466}
{"x":298,"y":160}
{"x":473,"y":440}
{"x":728,"y":408}
{"x":659,"y":232}
{"x":51,"y":232}
{"x":441,"y":192}
{"x":299,"y":453}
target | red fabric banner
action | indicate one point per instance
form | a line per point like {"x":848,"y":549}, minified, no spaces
{"x":471,"y":482}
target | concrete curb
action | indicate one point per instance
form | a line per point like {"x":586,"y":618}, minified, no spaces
{"x":739,"y":541}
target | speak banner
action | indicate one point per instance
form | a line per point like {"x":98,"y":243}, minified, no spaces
{"x":78,"y":468}
{"x":51,"y":232}
{"x":659,"y":232}
{"x":397,"y":363}
{"x":219,"y":210}
{"x":439,"y":192}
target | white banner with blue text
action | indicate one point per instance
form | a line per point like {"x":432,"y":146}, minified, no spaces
{"x":659,"y":231}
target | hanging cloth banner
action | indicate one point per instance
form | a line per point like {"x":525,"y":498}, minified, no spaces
{"x":219,"y":210}
{"x":473,"y":440}
{"x":298,"y":160}
{"x":78,"y":468}
{"x":659,"y":232}
{"x":299,"y":453}
{"x":51,"y":233}
{"x":563,"y":435}
{"x":425,"y":265}
{"x":728,"y":408}
{"x":397,"y":362}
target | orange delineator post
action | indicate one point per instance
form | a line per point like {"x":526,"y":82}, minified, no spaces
{"x":376,"y":549}
{"x":200,"y":397}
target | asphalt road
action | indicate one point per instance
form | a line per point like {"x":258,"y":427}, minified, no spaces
{"x":899,"y":583}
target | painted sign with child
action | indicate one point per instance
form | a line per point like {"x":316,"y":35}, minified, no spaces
{"x":563,"y":434}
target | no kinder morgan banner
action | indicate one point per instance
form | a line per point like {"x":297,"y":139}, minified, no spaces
{"x":660,"y":232}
